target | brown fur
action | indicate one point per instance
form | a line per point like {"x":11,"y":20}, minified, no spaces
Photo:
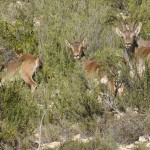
{"x":92,"y":68}
{"x":143,"y":52}
{"x":25,"y":66}
{"x":134,"y":50}
{"x":132,"y":32}
{"x":143,"y":43}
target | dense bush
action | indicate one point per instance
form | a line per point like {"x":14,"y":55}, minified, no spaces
{"x":98,"y":144}
{"x":62,"y":99}
{"x":18,"y":114}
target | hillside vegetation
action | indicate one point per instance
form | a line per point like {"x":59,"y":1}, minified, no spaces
{"x":63,"y":105}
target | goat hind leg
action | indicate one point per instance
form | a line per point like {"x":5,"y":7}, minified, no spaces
{"x":29,"y":80}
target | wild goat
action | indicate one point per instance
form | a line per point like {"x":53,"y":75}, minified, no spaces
{"x":93,"y":68}
{"x":134,"y":51}
{"x":140,"y":41}
{"x":24,"y":66}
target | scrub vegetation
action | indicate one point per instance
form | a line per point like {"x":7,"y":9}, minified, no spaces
{"x":66,"y":102}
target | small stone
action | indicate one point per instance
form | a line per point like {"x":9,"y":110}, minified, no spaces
{"x":148,"y":145}
{"x":142,"y":139}
{"x":130,"y":146}
{"x":51,"y":145}
{"x":121,"y":147}
{"x":77,"y":137}
{"x":119,"y":116}
{"x":137,"y":142}
{"x":85,"y":140}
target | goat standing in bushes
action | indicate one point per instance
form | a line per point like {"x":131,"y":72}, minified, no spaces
{"x":93,"y":68}
{"x":24,"y":67}
{"x":135,"y":50}
{"x":139,"y":40}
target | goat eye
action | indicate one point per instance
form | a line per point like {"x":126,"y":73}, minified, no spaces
{"x":82,"y":48}
{"x":133,"y":36}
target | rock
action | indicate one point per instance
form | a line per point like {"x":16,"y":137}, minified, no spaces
{"x":132,"y":111}
{"x":50,"y":145}
{"x":148,"y":145}
{"x":137,"y":142}
{"x":119,"y":115}
{"x":126,"y":147}
{"x":131,"y":146}
{"x":77,"y":137}
{"x":75,"y":127}
{"x":85,"y":140}
{"x":121,"y":147}
{"x":142,"y":139}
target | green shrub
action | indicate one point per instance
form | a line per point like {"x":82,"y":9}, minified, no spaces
{"x":62,"y":85}
{"x":98,"y":144}
{"x":18,"y":113}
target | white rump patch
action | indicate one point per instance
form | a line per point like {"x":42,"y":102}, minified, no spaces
{"x":104,"y":80}
{"x":37,"y":63}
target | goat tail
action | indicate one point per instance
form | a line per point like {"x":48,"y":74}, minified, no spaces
{"x":39,"y":64}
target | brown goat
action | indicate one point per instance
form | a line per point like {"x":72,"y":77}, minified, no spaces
{"x":92,"y":67}
{"x":25,"y":67}
{"x":139,"y":52}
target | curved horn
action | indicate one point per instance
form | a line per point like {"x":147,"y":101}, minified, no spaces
{"x":123,"y":23}
{"x":134,"y":25}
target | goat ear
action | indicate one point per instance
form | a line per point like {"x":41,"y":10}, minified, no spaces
{"x":138,"y":29}
{"x":84,"y":42}
{"x":68,"y":43}
{"x":119,"y":32}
